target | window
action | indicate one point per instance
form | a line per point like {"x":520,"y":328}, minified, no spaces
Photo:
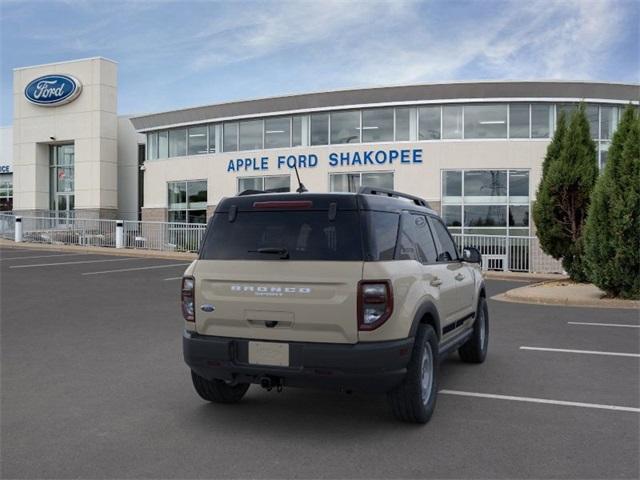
{"x":452,"y":186}
{"x":230,"y":137}
{"x":592,"y":116}
{"x":482,"y":186}
{"x":403,"y":124}
{"x":152,"y":146}
{"x":212,"y":138}
{"x":277,"y":132}
{"x":187,"y":201}
{"x":446,"y":247}
{"x":383,"y":232}
{"x":519,"y":216}
{"x":296,"y":131}
{"x":61,"y":179}
{"x":415,"y":241}
{"x":265,"y":183}
{"x":485,"y":216}
{"x":345,"y":127}
{"x":452,"y":215}
{"x":178,"y":142}
{"x":452,"y":121}
{"x":351,"y":182}
{"x":429,"y":123}
{"x":519,"y":186}
{"x":305,"y":235}
{"x":320,"y":129}
{"x":377,"y":125}
{"x":479,"y":202}
{"x":519,"y":120}
{"x":251,"y":135}
{"x":197,"y":140}
{"x":541,"y":120}
{"x":608,"y":122}
{"x":485,"y":121}
{"x":6,"y":192}
{"x":163,"y":144}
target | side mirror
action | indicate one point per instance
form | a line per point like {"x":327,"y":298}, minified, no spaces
{"x":471,"y":255}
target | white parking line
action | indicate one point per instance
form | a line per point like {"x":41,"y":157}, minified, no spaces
{"x":75,"y":263}
{"x":172,"y":278}
{"x":588,"y":352}
{"x":541,"y":400}
{"x":623,"y":325}
{"x":138,"y":268}
{"x":41,"y":256}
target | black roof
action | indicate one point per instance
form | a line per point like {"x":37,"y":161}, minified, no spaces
{"x":322,"y":201}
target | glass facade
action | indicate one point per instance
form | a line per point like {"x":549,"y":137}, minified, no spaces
{"x":280,"y":182}
{"x":6,"y":192}
{"x":187,"y":201}
{"x":351,"y":182}
{"x":384,"y":124}
{"x":61,"y":179}
{"x":488,"y":202}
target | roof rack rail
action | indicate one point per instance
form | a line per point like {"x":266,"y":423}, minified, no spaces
{"x":392,"y":193}
{"x":269,"y":190}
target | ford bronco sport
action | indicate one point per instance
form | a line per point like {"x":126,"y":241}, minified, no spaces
{"x":354,"y":291}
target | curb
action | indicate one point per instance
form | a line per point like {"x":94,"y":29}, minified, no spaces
{"x":513,"y":296}
{"x":125,"y":252}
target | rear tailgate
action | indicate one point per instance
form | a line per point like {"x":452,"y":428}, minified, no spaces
{"x":278,"y":300}
{"x":281,"y":267}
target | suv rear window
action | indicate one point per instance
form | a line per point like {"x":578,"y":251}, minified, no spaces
{"x":304,"y":235}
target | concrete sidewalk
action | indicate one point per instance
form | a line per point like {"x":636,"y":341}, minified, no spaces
{"x":565,"y":292}
{"x":128,"y":252}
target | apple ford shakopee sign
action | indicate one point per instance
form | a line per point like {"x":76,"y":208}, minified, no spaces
{"x":53,"y":90}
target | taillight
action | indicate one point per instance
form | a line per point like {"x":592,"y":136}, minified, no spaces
{"x":187,"y":299}
{"x":375,"y":303}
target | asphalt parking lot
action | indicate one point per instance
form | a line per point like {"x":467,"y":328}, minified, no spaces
{"x":94,"y":386}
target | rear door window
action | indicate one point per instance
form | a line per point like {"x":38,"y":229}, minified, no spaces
{"x":304,"y":235}
{"x":415,"y":242}
{"x":447,"y":250}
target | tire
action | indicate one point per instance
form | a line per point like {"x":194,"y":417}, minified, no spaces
{"x":218,"y":391}
{"x":414,"y":400}
{"x":475,"y":349}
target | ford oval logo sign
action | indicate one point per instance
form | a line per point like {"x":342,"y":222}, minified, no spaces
{"x":53,"y":90}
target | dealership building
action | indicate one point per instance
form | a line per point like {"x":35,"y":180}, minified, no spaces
{"x":473,"y":150}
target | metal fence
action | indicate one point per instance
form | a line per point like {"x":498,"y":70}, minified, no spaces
{"x":7,"y":226}
{"x":185,"y":237}
{"x":515,"y":254}
{"x":69,"y":231}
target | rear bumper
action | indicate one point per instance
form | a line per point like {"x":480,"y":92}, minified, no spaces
{"x":368,"y":367}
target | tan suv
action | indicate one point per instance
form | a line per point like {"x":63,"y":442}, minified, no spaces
{"x":354,"y":291}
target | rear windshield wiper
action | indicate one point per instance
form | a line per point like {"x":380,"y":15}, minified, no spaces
{"x":283,"y":252}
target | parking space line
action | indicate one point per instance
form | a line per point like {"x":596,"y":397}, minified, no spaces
{"x":541,"y":400}
{"x":152,"y":267}
{"x":172,"y":278}
{"x":75,"y":263}
{"x":622,"y":325}
{"x":588,"y":352}
{"x":42,"y":256}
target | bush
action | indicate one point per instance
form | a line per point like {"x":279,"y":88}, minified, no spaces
{"x":612,"y":233}
{"x":569,"y":174}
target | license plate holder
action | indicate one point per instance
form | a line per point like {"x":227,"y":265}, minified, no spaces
{"x":269,"y":353}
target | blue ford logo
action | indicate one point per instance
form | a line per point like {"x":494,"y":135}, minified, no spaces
{"x":53,"y":90}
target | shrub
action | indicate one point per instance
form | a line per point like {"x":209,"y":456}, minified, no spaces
{"x":612,"y":233}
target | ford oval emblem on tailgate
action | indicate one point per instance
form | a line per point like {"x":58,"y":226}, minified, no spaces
{"x":207,"y":308}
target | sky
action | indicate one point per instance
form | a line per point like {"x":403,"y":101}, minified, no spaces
{"x":176,"y":54}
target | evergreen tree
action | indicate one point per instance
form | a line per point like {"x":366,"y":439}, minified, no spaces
{"x":612,"y":233}
{"x":564,"y":194}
